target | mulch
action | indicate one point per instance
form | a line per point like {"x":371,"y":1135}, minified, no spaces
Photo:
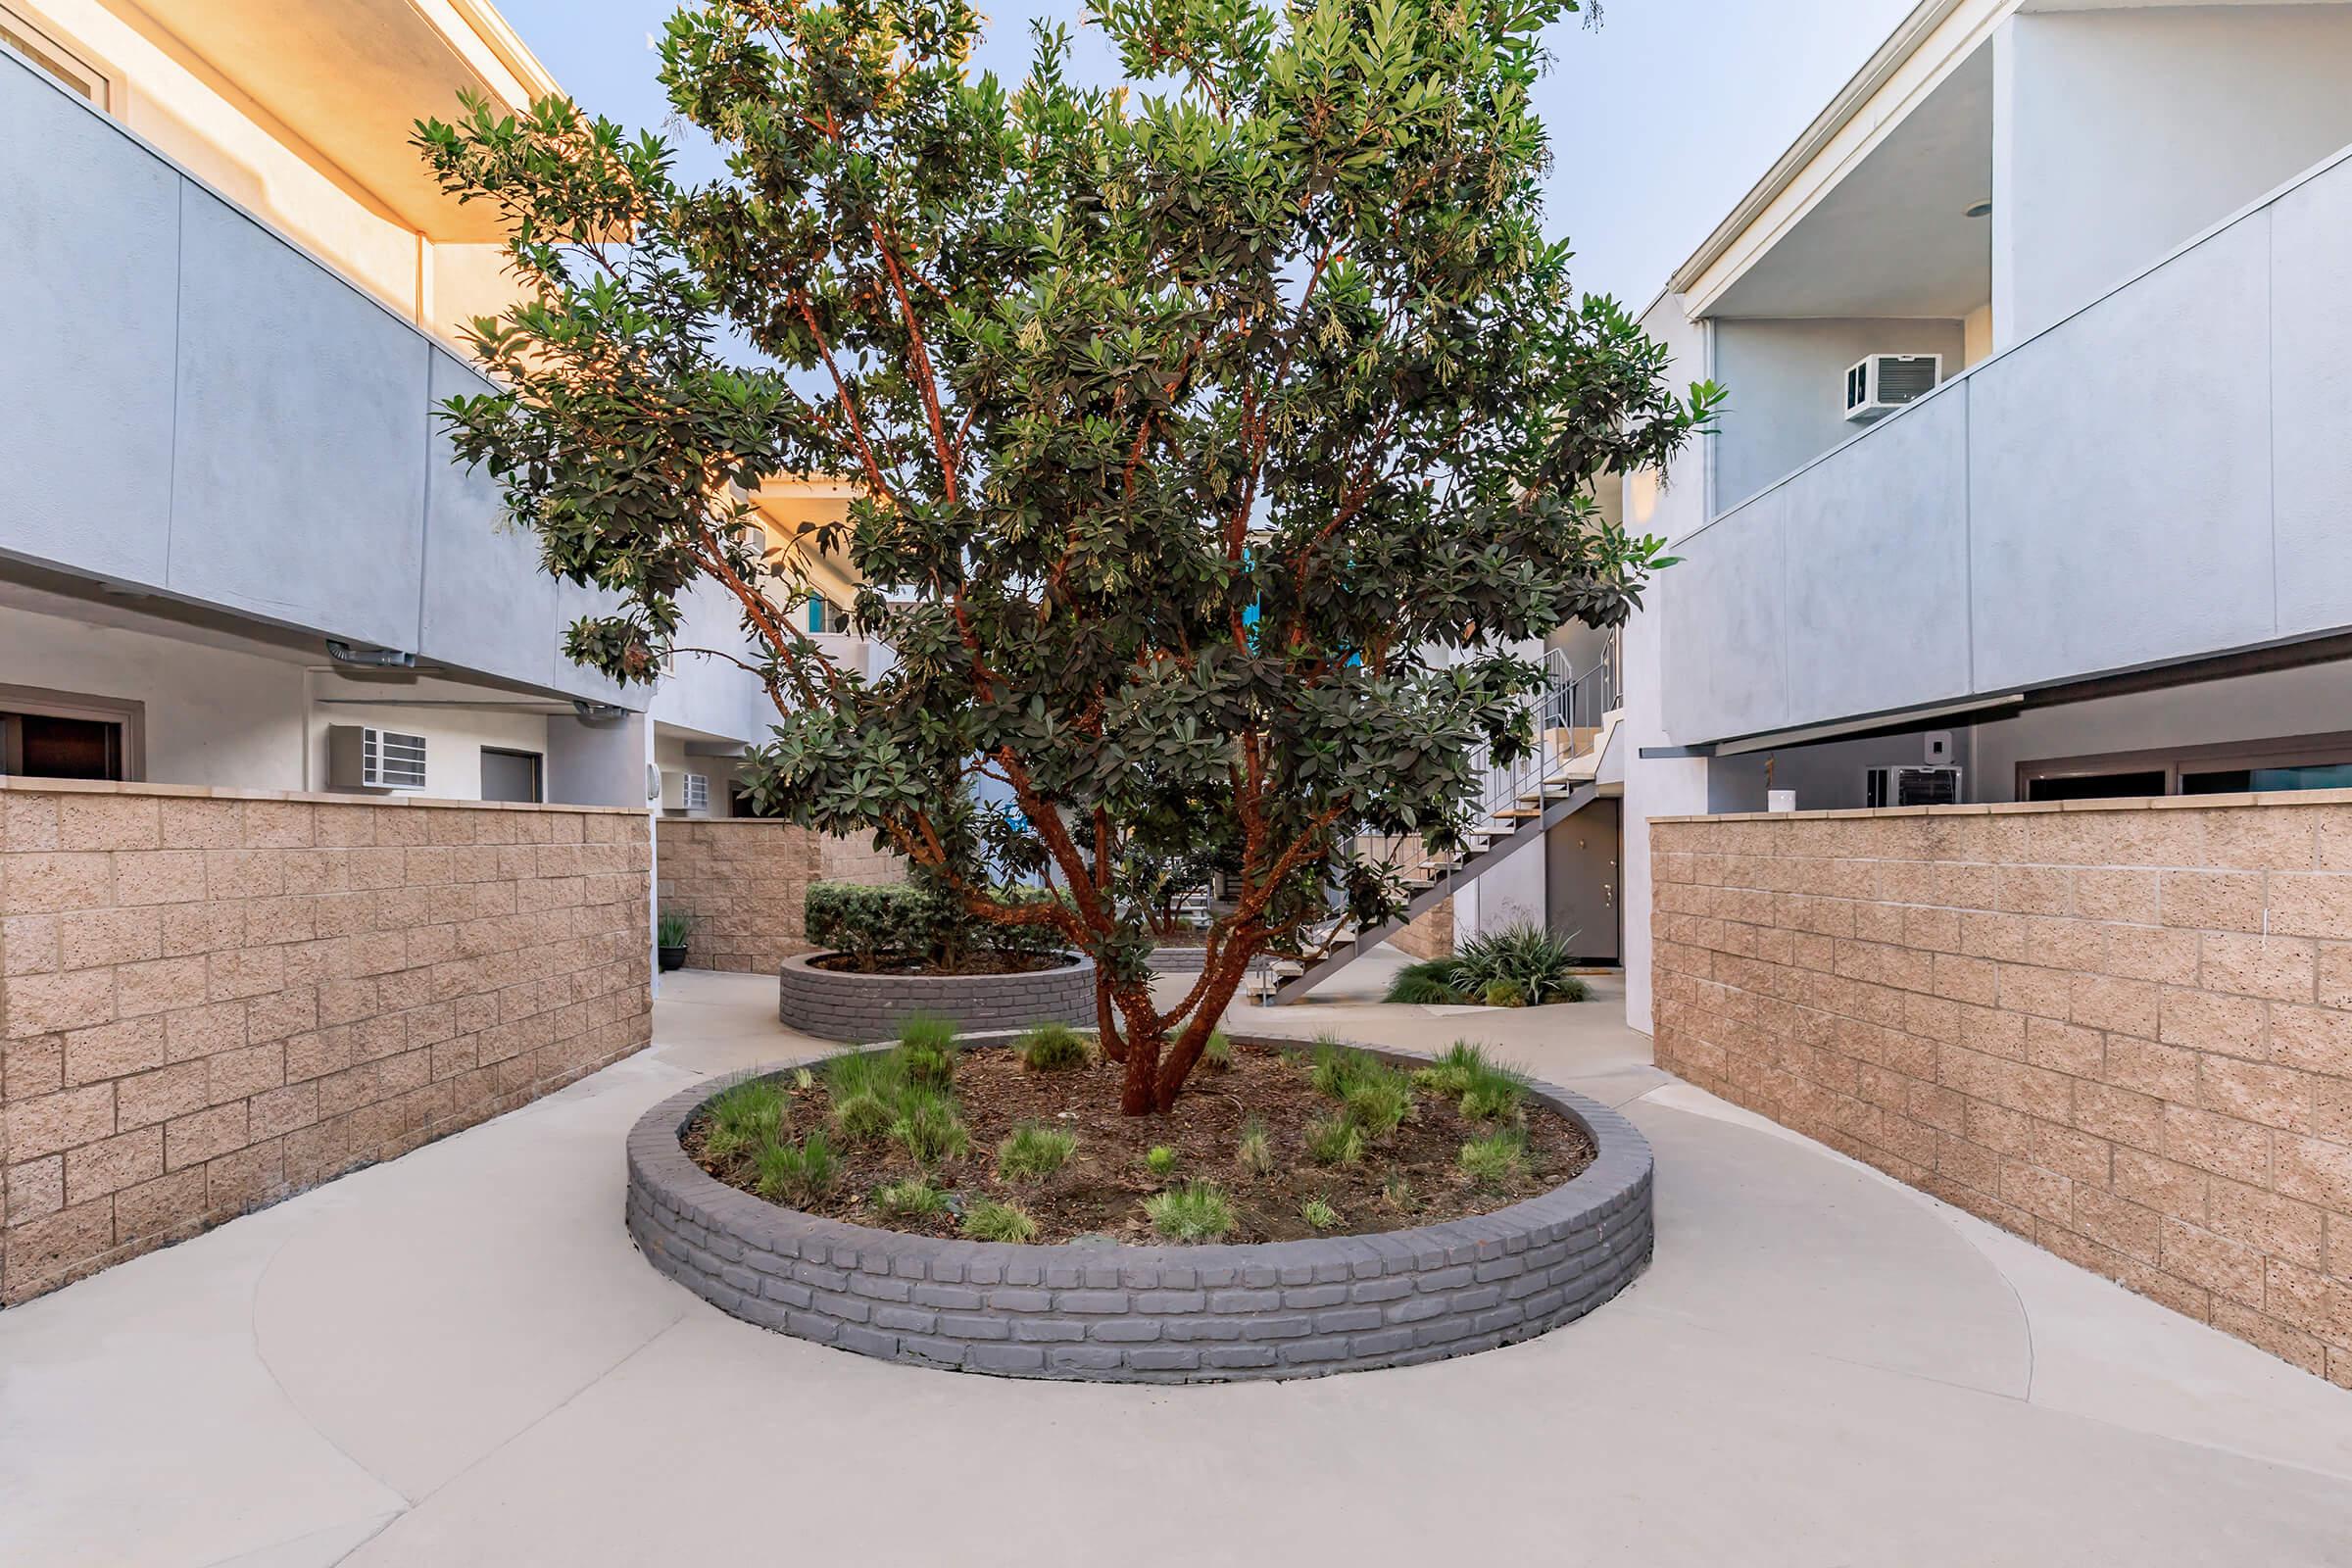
{"x":1407,"y":1179}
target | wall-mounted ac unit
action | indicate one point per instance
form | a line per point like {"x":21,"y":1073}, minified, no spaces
{"x":1910,"y":786}
{"x":359,"y":757}
{"x":684,"y":792}
{"x":1883,"y":383}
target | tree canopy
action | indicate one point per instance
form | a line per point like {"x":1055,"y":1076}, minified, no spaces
{"x":1215,"y":437}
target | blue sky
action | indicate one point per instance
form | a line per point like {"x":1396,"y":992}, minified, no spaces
{"x":1660,"y":119}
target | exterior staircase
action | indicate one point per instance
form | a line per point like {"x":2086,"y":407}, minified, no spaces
{"x":1522,"y":803}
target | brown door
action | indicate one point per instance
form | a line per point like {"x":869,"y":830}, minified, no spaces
{"x":1582,"y":892}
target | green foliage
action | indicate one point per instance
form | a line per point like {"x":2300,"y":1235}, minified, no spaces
{"x":1216,"y":1053}
{"x":1340,"y":1068}
{"x":1160,"y":1160}
{"x":803,"y":1079}
{"x":1030,"y":1153}
{"x":1485,"y":1089}
{"x":989,"y":1220}
{"x":864,"y":1116}
{"x":1379,"y":1105}
{"x":1254,"y":1153}
{"x":797,"y":1173}
{"x":1196,"y":1211}
{"x":919,"y":920}
{"x":673,"y":928}
{"x":1504,"y":992}
{"x":1495,"y":1160}
{"x":910,"y":1198}
{"x":1528,"y":956}
{"x":1450,"y":1076}
{"x":926,"y":1051}
{"x":1053,"y":1048}
{"x":1426,"y":984}
{"x":928,"y":1126}
{"x":1396,"y":1192}
{"x":1335,"y":1141}
{"x":1278,"y":322}
{"x":743,"y":1117}
{"x":1320,"y":1215}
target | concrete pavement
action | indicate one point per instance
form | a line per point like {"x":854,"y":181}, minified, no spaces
{"x":458,"y":1358}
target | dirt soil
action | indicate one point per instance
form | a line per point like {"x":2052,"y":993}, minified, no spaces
{"x":1408,"y":1178}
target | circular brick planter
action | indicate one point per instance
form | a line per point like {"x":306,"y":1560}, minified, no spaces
{"x":841,"y":1004}
{"x":1150,"y":1314}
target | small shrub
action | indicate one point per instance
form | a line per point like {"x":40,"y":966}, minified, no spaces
{"x":1494,"y":1161}
{"x":879,"y":1073}
{"x":1160,"y":1159}
{"x":743,"y":1119}
{"x":1380,"y":1106}
{"x":1319,"y":1216}
{"x":989,"y":1220}
{"x":864,"y":1116}
{"x":1339,"y":1068}
{"x":803,"y":1079}
{"x":928,"y":1127}
{"x":1505,"y":993}
{"x":1217,"y":1054}
{"x":797,"y":1173}
{"x":1452,"y":1074}
{"x":1053,"y":1048}
{"x":1428,"y":983}
{"x":1196,"y":1212}
{"x":1524,"y":952}
{"x":1498,"y":1100}
{"x":1336,"y":1142}
{"x":926,"y":1051}
{"x":910,"y":1198}
{"x":1396,"y":1192}
{"x":1030,"y":1153}
{"x":1256,"y":1151}
{"x":673,"y":928}
{"x":1485,"y":1089}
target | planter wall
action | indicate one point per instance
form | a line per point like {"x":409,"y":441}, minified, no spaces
{"x":840,"y":1005}
{"x":1150,"y":1314}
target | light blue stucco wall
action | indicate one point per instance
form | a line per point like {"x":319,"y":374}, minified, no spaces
{"x":192,"y":405}
{"x":2159,"y":477}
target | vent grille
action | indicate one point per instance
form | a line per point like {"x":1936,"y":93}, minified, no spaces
{"x":1902,"y":380}
{"x":393,"y":761}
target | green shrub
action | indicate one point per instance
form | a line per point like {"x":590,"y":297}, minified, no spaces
{"x":879,"y":1073}
{"x":1427,"y":984}
{"x":1217,"y":1054}
{"x":1524,"y":952}
{"x":1504,"y":993}
{"x":928,"y":1127}
{"x":920,"y":920}
{"x":864,"y":1116}
{"x":743,"y":1117}
{"x":1256,"y":1151}
{"x":673,"y":928}
{"x":926,"y":1051}
{"x":910,"y":1198}
{"x":803,"y":1079}
{"x":1494,"y":1161}
{"x":1030,"y":1153}
{"x":1379,"y":1105}
{"x":1160,"y":1159}
{"x":1336,"y":1142}
{"x":1483,"y":1089}
{"x":1196,"y":1212}
{"x":1053,"y":1048}
{"x":797,"y":1173}
{"x":989,"y":1220}
{"x":1452,"y":1073}
{"x":1340,"y":1068}
{"x":1319,"y":1216}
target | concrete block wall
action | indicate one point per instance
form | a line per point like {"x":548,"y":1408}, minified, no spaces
{"x":2120,"y":1029}
{"x":744,"y":880}
{"x":211,"y":999}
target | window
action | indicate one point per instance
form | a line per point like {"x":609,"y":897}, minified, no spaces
{"x":46,"y":734}
{"x":62,"y":63}
{"x":2234,"y":768}
{"x":512,"y":775}
{"x":824,"y":615}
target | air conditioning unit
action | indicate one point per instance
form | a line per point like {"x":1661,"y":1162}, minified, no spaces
{"x":684,"y":792}
{"x":1883,"y":383}
{"x":1910,"y":786}
{"x":359,"y":757}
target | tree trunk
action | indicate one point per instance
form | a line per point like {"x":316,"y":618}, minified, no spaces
{"x":1137,"y":1097}
{"x":1223,"y":981}
{"x":1107,"y":1022}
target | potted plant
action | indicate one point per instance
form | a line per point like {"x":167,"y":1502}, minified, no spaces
{"x":670,"y":933}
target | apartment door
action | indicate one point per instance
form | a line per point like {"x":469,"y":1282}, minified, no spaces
{"x":1581,"y":890}
{"x":511,"y":775}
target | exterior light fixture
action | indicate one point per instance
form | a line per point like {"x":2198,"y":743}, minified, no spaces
{"x":366,"y":656}
{"x":1977,"y":208}
{"x":597,"y":712}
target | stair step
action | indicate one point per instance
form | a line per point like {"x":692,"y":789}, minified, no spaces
{"x":1518,"y":813}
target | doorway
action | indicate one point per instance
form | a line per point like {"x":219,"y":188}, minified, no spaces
{"x":513,"y":775}
{"x":1581,"y":880}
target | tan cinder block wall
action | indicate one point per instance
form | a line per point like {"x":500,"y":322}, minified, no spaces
{"x":744,"y":880}
{"x":1429,"y":934}
{"x":210,"y":1000}
{"x":2120,"y":1029}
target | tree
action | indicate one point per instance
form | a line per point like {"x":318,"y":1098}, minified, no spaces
{"x":1215,"y":437}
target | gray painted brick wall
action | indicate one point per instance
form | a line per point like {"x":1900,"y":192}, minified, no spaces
{"x":840,"y":1005}
{"x":1150,"y":1314}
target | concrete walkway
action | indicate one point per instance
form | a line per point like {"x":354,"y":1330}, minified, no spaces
{"x":456,"y":1359}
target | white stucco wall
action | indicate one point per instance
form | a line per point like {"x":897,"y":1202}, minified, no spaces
{"x":2120,"y":134}
{"x":1786,"y":381}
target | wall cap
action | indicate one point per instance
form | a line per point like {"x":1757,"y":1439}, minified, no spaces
{"x":208,"y":792}
{"x":2145,"y":802}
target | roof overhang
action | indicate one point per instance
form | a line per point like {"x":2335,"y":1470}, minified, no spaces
{"x":350,"y":78}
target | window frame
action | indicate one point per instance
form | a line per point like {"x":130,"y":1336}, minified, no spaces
{"x":125,"y":713}
{"x":538,"y":761}
{"x":2333,"y":747}
{"x":61,"y":62}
